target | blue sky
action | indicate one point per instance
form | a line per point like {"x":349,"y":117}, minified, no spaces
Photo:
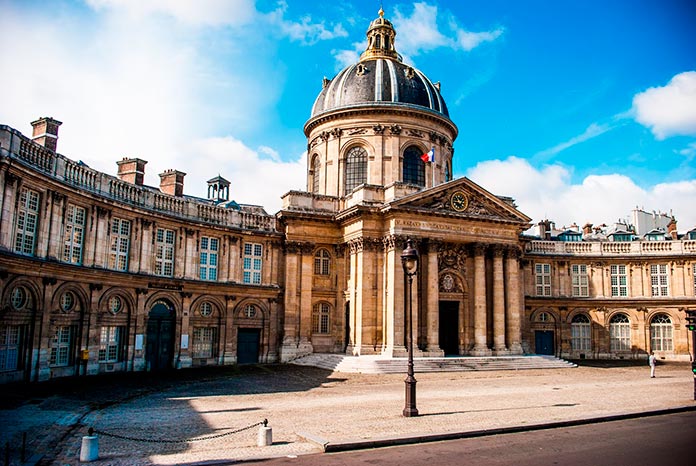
{"x":580,"y":110}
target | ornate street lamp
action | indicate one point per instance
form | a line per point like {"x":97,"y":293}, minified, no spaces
{"x":409,"y":261}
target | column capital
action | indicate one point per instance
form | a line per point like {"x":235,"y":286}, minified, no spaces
{"x":478,"y":249}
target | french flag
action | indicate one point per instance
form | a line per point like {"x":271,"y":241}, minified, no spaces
{"x":429,"y":156}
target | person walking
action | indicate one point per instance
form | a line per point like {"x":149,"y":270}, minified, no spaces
{"x":651,"y":361}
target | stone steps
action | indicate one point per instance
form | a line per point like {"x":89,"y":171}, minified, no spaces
{"x":384,"y":365}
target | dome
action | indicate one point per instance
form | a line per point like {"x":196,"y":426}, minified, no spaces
{"x":380,"y":78}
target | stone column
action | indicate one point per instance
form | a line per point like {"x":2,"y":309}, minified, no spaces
{"x":480,"y":308}
{"x":432,"y":281}
{"x":498,"y":303}
{"x":514,"y":310}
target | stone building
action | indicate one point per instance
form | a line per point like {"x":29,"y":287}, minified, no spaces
{"x":101,"y":273}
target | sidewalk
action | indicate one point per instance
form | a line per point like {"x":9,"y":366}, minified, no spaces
{"x":308,"y":407}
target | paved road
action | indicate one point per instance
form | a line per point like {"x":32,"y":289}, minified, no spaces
{"x":648,"y":441}
{"x":335,"y":408}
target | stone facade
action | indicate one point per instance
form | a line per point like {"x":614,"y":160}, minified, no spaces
{"x":101,"y":273}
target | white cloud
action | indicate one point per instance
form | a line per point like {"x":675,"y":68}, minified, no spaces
{"x":420,"y":32}
{"x":669,"y":110}
{"x":548,"y":193}
{"x":304,"y":30}
{"x":346,"y":58}
{"x":200,"y":12}
{"x":591,"y":132}
{"x":253,"y":179}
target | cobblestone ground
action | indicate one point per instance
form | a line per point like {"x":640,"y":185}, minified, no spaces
{"x":305,"y":402}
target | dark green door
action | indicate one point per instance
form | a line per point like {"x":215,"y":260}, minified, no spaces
{"x":449,"y":327}
{"x":543,"y":340}
{"x":248,"y":343}
{"x":160,"y":337}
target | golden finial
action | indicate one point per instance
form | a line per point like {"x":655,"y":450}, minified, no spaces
{"x":381,"y":12}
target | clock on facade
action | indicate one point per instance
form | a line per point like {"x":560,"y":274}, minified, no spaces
{"x":459,"y":201}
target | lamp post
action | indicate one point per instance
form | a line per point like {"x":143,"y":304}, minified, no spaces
{"x":409,"y":261}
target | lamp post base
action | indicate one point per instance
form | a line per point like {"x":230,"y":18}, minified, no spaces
{"x":410,"y":409}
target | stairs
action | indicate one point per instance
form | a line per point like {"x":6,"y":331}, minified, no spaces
{"x":385,"y":365}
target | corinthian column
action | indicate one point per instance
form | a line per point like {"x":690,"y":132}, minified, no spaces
{"x":514,"y":310}
{"x":498,"y":302}
{"x":480,"y":343}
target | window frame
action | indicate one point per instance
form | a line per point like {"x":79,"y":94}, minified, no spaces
{"x":203,"y":342}
{"x":164,"y":252}
{"x":74,"y":234}
{"x":659,"y":280}
{"x":542,"y":278}
{"x":580,"y":280}
{"x":26,"y":223}
{"x":111,"y":338}
{"x":356,"y":168}
{"x":252,"y":263}
{"x":620,"y":332}
{"x":208,"y":258}
{"x":322,"y":262}
{"x":11,"y":347}
{"x":120,"y":244}
{"x":413,"y":171}
{"x":618,"y":274}
{"x":62,"y":341}
{"x":581,"y":333}
{"x":661,"y":333}
{"x":321,"y":319}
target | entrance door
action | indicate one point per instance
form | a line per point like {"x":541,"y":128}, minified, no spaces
{"x":248,"y":343}
{"x":449,"y":327}
{"x":543,"y":340}
{"x":160,"y":337}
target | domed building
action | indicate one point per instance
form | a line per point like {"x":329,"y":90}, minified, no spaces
{"x":102,"y":273}
{"x":380,"y":149}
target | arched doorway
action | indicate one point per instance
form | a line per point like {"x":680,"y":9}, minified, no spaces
{"x":160,"y":336}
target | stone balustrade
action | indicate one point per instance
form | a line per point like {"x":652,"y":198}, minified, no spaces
{"x":611,"y":248}
{"x":14,"y":145}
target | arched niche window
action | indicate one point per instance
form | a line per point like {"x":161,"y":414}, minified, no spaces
{"x":356,"y":168}
{"x":448,"y":172}
{"x":316,"y":168}
{"x":620,"y":333}
{"x":322,"y":262}
{"x":414,"y":167}
{"x":661,"y":333}
{"x":320,"y":318}
{"x":581,"y":339}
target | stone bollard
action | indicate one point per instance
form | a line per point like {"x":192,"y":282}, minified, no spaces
{"x":90,"y":447}
{"x":265,"y":434}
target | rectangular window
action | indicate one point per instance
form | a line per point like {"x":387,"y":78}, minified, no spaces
{"x":659,"y":280}
{"x":120,"y":244}
{"x":208,"y":258}
{"x":580,"y":280}
{"x":581,"y":338}
{"x":620,"y":337}
{"x":252,"y":263}
{"x":61,"y":344}
{"x":203,"y":342}
{"x":164,"y":247}
{"x":26,"y":221}
{"x":110,"y":344}
{"x":9,"y":348}
{"x":74,"y":234}
{"x":619,"y":281}
{"x":543,"y":279}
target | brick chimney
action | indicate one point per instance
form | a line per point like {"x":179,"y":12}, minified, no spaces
{"x":587,"y":229}
{"x":672,"y":229}
{"x":46,"y":132}
{"x":131,"y":170}
{"x":172,"y":182}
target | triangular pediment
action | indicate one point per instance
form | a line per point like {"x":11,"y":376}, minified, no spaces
{"x":462,"y":198}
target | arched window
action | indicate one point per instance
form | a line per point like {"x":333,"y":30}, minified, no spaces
{"x":322,"y":262}
{"x":620,"y":333}
{"x":316,"y":168}
{"x":661,"y":333}
{"x":448,"y":172}
{"x":414,"y":167}
{"x":320,"y":318}
{"x":581,"y":339}
{"x":356,"y":168}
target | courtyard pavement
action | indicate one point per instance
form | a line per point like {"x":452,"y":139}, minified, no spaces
{"x":212,"y":415}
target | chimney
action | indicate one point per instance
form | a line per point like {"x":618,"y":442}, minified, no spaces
{"x":46,"y":132}
{"x":131,"y":170}
{"x":587,"y":229}
{"x":172,"y":182}
{"x":672,"y":229}
{"x":545,"y":227}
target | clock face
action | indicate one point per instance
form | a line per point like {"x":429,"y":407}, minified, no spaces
{"x":459,"y":201}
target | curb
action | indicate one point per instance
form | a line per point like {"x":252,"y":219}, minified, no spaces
{"x":333,"y":447}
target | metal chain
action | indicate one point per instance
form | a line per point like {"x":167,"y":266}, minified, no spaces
{"x":198,"y":439}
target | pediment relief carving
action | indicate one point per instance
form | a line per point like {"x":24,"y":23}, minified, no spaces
{"x":474,"y":204}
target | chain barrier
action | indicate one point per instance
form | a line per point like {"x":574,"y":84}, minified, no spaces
{"x":93,"y":431}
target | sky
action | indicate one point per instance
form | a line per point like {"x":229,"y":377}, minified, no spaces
{"x":580,"y":110}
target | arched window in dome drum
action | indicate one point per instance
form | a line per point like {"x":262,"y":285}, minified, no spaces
{"x":316,"y":167}
{"x":448,"y":172}
{"x":414,"y":167}
{"x":356,"y":168}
